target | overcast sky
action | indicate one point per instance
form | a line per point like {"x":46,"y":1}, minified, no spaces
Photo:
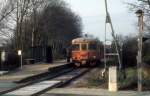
{"x":92,"y":13}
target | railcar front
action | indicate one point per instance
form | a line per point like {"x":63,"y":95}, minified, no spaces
{"x":85,"y":52}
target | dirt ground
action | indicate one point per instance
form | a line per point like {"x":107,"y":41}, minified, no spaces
{"x":89,"y":80}
{"x":94,"y":79}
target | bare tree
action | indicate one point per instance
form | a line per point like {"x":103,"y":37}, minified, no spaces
{"x":6,"y":8}
{"x":29,"y":23}
{"x":53,"y":24}
{"x":16,"y":12}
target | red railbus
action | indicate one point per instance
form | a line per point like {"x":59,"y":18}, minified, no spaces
{"x":85,"y":51}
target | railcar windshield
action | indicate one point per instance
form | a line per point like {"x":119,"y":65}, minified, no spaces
{"x":84,"y":46}
{"x":92,"y":47}
{"x":75,"y":47}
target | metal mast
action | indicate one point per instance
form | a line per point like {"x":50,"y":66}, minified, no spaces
{"x":108,"y":20}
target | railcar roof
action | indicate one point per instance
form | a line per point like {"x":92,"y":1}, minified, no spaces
{"x":83,"y":39}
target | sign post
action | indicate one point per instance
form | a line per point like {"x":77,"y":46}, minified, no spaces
{"x":3,"y":58}
{"x":20,"y":54}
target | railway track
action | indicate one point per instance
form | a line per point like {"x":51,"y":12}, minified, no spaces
{"x":37,"y":88}
{"x":50,"y":74}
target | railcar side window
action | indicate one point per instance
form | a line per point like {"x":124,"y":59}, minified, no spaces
{"x":84,"y":46}
{"x":75,"y":47}
{"x":92,"y":47}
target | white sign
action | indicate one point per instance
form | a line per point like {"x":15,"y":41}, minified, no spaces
{"x":108,"y":43}
{"x":19,"y":52}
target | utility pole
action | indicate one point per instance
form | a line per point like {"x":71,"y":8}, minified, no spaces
{"x":108,"y":20}
{"x":20,"y":54}
{"x":140,"y":15}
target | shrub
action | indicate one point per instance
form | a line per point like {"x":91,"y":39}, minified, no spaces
{"x":146,"y":59}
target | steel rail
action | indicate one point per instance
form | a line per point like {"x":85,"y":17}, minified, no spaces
{"x":58,"y":81}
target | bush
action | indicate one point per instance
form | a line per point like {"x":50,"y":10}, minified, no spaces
{"x":130,"y":80}
{"x":146,"y":59}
